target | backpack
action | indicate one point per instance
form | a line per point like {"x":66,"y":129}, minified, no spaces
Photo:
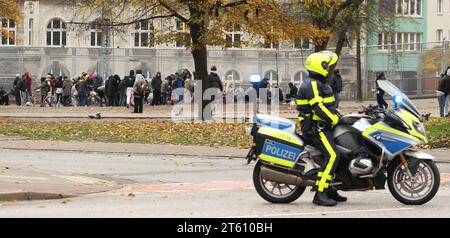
{"x":142,"y":87}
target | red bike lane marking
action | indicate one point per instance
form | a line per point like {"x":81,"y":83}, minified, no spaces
{"x":211,"y":186}
{"x":445,"y":177}
{"x":182,"y":187}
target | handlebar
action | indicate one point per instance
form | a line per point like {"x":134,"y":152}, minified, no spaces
{"x":373,"y":111}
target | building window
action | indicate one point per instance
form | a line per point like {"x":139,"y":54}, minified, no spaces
{"x":408,"y":7}
{"x":144,"y":35}
{"x":182,"y":38}
{"x":439,"y":35}
{"x":30,"y":31}
{"x":401,"y":41}
{"x":233,"y":75}
{"x":233,"y":37}
{"x":440,"y":6}
{"x":299,"y":77}
{"x":272,"y":76}
{"x":302,"y":44}
{"x":8,"y":33}
{"x":270,"y":45}
{"x":96,"y":35}
{"x":56,"y":33}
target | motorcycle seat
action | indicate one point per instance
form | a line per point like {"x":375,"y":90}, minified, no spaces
{"x":350,"y":119}
{"x":306,"y":139}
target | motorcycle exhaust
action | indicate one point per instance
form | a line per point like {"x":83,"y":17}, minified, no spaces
{"x":280,"y":177}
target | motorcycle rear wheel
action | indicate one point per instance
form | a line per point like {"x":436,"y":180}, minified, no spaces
{"x":414,"y":191}
{"x":273,"y":192}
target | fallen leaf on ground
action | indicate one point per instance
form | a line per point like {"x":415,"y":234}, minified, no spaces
{"x":66,"y":201}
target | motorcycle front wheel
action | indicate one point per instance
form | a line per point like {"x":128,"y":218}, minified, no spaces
{"x":275,"y":192}
{"x":418,"y":189}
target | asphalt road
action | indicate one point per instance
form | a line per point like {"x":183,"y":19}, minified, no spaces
{"x":189,"y":187}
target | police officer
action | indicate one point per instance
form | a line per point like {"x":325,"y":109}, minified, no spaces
{"x":316,"y":104}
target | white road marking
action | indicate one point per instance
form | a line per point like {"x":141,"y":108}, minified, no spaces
{"x":21,"y":177}
{"x":82,"y":179}
{"x":323,"y":213}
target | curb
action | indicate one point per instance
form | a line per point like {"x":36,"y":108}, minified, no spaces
{"x":152,"y":118}
{"x":29,"y":196}
{"x":127,"y":153}
{"x":156,"y":154}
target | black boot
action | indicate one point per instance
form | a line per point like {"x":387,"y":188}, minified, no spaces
{"x":333,"y":194}
{"x":322,"y":199}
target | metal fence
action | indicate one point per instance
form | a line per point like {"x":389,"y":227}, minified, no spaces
{"x":415,"y":68}
{"x":414,"y":71}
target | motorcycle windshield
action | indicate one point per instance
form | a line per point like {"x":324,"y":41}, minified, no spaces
{"x":393,"y":91}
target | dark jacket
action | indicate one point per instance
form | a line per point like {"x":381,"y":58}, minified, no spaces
{"x":112,"y":86}
{"x":444,"y":85}
{"x":44,"y":87}
{"x":82,"y":88}
{"x":124,"y":84}
{"x":59,"y":84}
{"x":22,"y":85}
{"x":156,"y":83}
{"x":336,"y":83}
{"x":214,"y":81}
{"x":316,"y":98}
{"x":132,"y":80}
{"x":67,"y":87}
{"x":178,"y":83}
{"x":380,"y":77}
{"x":294,"y":90}
{"x":16,"y":84}
{"x":98,"y":82}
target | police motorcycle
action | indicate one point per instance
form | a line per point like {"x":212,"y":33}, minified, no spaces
{"x":376,"y":147}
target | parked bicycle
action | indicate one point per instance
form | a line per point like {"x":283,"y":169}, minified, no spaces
{"x":41,"y":100}
{"x":94,"y":99}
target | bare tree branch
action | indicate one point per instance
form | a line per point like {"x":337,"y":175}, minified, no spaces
{"x":175,"y":13}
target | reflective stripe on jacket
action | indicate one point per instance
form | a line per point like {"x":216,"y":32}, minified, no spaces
{"x":317,"y":98}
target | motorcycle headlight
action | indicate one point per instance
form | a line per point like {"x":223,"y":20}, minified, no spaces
{"x":420,"y":127}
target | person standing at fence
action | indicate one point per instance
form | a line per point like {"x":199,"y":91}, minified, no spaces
{"x":139,"y":88}
{"x":130,"y":88}
{"x":4,"y":97}
{"x":16,"y":89}
{"x":443,"y":93}
{"x":59,"y":91}
{"x":165,"y":90}
{"x":123,"y":85}
{"x":178,"y":88}
{"x":156,"y":87}
{"x":188,"y":96}
{"x":215,"y":83}
{"x":45,"y":88}
{"x":293,"y":91}
{"x":380,"y":93}
{"x":67,"y":90}
{"x":229,"y":89}
{"x":29,"y":82}
{"x":22,"y":91}
{"x":83,"y":92}
{"x":109,"y":90}
{"x":336,"y":85}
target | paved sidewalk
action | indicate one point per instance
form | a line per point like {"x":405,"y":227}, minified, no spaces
{"x":139,"y":149}
{"x":441,"y":155}
{"x":18,"y":184}
{"x":165,"y":112}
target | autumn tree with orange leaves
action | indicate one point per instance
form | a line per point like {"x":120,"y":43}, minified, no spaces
{"x":206,"y":22}
{"x":10,"y":10}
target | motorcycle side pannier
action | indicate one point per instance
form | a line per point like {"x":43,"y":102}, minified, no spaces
{"x":278,"y":147}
